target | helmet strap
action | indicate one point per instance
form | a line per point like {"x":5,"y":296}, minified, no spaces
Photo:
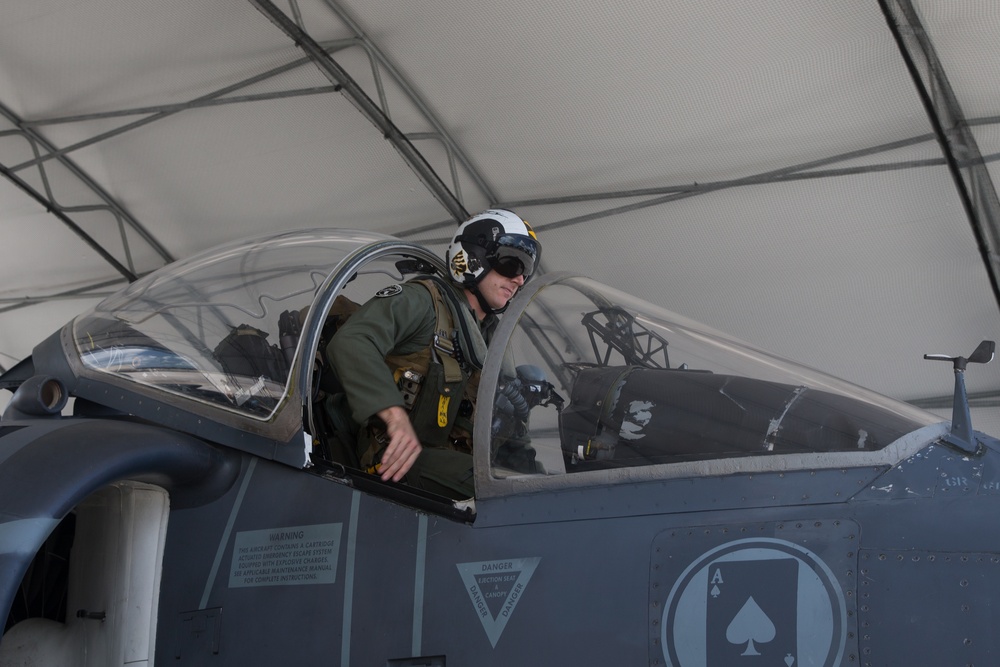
{"x":482,"y":301}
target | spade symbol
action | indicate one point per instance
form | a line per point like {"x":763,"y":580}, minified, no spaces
{"x":715,"y":591}
{"x":750,"y":625}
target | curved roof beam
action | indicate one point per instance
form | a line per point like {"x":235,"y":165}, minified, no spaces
{"x":667,"y":193}
{"x":452,"y":147}
{"x":58,"y":212}
{"x":46,"y":152}
{"x":961,"y":152}
{"x":42,"y":150}
{"x":156,"y":113}
{"x":369,"y":109}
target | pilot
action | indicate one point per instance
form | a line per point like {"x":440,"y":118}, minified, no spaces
{"x":410,"y":358}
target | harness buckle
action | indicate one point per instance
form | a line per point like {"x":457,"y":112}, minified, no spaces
{"x":443,"y":343}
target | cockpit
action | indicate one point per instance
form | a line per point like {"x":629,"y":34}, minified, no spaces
{"x":581,"y":380}
{"x":613,"y":382}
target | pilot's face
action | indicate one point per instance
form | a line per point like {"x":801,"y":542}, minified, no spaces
{"x":497,"y":290}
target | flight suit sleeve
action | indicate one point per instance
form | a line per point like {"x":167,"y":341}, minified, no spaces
{"x":399,"y":324}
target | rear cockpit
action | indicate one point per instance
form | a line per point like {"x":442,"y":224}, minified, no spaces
{"x":630,"y":385}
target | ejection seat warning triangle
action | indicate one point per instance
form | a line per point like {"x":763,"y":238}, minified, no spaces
{"x":495,"y":587}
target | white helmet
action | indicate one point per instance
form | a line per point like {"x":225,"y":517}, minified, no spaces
{"x":497,"y":240}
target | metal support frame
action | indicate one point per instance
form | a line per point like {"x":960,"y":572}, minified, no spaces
{"x":953,"y":132}
{"x":44,"y":150}
{"x":375,"y":114}
{"x":441,"y":133}
{"x":669,"y":193}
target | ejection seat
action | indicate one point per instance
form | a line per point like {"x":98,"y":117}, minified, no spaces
{"x":335,"y":432}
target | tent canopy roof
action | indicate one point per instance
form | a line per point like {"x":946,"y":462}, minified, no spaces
{"x":772,"y":168}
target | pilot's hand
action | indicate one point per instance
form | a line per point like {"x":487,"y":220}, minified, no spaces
{"x":403,"y":448}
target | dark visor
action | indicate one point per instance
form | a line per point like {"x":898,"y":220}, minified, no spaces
{"x":509,"y":267}
{"x":516,"y":256}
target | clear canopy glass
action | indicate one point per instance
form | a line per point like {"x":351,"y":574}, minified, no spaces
{"x":579,"y":376}
{"x":220,"y":327}
{"x":593,"y":378}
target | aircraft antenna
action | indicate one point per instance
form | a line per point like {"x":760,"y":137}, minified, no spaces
{"x":961,"y":420}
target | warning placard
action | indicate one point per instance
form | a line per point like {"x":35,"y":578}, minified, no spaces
{"x":495,"y":587}
{"x":297,"y":555}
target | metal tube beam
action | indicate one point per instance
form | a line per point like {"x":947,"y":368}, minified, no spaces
{"x":184,"y":106}
{"x":807,"y":170}
{"x":66,"y":220}
{"x":37,"y":140}
{"x":678,"y":192}
{"x":357,"y":96}
{"x":414,"y":97}
{"x":955,"y":137}
{"x":163,"y":113}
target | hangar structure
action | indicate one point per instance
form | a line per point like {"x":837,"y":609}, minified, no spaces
{"x":814,"y":178}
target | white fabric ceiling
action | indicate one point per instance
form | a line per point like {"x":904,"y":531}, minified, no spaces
{"x":820,"y":220}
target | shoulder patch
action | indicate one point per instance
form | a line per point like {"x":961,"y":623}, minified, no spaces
{"x":391,"y":290}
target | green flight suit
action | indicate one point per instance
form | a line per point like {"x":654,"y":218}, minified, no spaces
{"x":401,"y":321}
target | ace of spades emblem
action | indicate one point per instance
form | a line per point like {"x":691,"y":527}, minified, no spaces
{"x":752,"y":611}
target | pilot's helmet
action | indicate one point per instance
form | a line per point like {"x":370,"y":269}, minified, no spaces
{"x":496,"y":239}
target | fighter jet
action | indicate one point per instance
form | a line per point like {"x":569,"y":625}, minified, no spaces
{"x":648,"y":491}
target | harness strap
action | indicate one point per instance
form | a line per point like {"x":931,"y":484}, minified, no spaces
{"x":473,"y":348}
{"x":444,"y":336}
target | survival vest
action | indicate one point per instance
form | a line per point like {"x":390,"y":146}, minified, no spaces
{"x":438,"y":376}
{"x":438,"y":383}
